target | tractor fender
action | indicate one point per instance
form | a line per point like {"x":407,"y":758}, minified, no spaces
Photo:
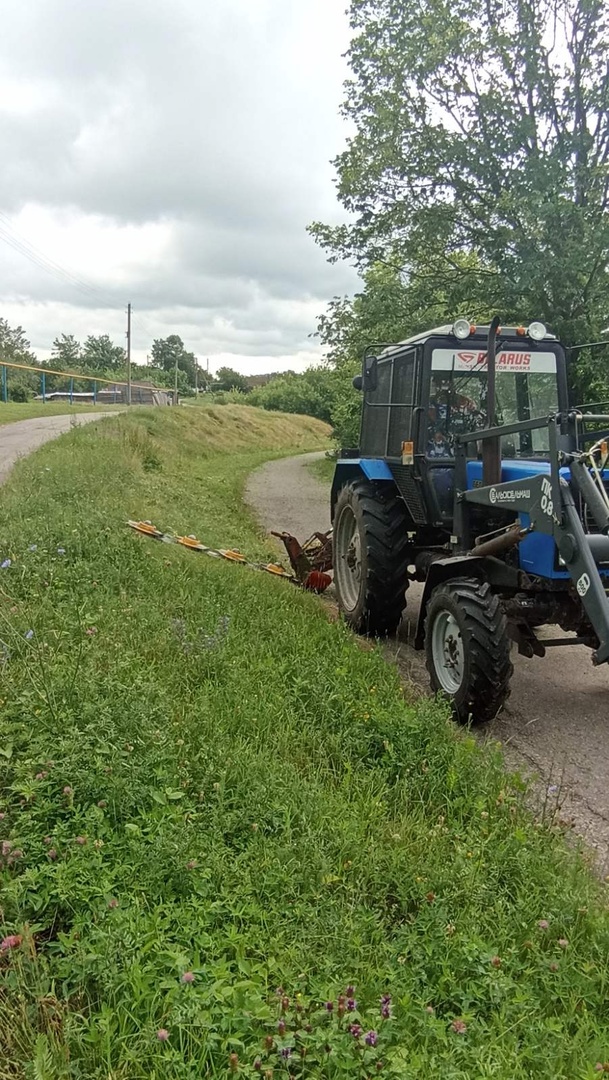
{"x":486,"y":568}
{"x":348,"y":469}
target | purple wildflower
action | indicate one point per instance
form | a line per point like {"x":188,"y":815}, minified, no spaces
{"x":371,"y":1038}
{"x":356,"y":1030}
{"x":329,"y":1006}
{"x":350,"y":991}
{"x":351,"y":1005}
{"x":281,"y":1027}
{"x":5,"y":565}
{"x":286,"y":1053}
{"x":386,"y":1006}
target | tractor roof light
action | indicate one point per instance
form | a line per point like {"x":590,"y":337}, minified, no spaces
{"x":462,"y":328}
{"x":537,"y":331}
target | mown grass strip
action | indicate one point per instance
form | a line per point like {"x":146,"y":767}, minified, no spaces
{"x":210,"y":791}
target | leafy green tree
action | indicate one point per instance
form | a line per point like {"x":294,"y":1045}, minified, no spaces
{"x":309,"y":393}
{"x":14,"y":346}
{"x":66,"y":352}
{"x":101,"y":354}
{"x":16,"y":349}
{"x":480,"y":151}
{"x":164,"y":353}
{"x":229,"y":379}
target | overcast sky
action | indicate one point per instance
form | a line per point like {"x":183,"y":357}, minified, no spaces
{"x":171,"y":153}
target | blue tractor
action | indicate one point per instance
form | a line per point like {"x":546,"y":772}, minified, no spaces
{"x":475,"y":476}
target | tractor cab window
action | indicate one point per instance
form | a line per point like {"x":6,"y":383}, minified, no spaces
{"x":526,"y":387}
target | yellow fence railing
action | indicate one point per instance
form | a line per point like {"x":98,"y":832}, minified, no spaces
{"x":72,"y":376}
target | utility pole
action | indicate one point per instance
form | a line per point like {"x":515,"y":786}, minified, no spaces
{"x":175,"y":381}
{"x":128,"y":354}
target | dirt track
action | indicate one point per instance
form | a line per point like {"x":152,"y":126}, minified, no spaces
{"x":556,"y":722}
{"x":20,"y":438}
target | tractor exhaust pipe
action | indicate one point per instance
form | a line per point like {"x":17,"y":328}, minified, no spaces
{"x":491,"y":448}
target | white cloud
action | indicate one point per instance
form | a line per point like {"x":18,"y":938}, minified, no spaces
{"x":172,"y":155}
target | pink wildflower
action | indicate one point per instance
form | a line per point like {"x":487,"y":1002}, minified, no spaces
{"x":162,"y":1034}
{"x":80,"y":840}
{"x":52,"y":854}
{"x":188,"y":977}
{"x":563,"y":942}
{"x":543,"y":924}
{"x":459,"y":1027}
{"x":91,"y":631}
{"x":13,"y":941}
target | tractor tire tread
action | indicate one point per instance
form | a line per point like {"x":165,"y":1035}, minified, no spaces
{"x":486,"y":642}
{"x":385,"y":523}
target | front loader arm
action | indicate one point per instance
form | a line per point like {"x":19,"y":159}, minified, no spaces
{"x":549,"y":503}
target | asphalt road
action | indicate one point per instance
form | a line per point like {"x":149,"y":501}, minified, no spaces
{"x":20,"y":438}
{"x":555,"y":726}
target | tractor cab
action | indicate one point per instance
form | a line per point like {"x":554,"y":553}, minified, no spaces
{"x":422,"y":393}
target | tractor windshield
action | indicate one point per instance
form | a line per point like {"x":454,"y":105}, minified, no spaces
{"x":526,"y":388}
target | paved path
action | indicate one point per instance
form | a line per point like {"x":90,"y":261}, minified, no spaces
{"x":20,"y":438}
{"x":556,"y":722}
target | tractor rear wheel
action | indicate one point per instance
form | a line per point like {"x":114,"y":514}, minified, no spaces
{"x":468,"y":648}
{"x":370,"y":550}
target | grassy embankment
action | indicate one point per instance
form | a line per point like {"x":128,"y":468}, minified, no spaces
{"x":11,"y":411}
{"x":208,"y":791}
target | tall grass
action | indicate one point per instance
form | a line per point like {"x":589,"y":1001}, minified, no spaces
{"x":220,"y":814}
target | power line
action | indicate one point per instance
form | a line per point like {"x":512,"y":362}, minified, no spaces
{"x":18,"y":242}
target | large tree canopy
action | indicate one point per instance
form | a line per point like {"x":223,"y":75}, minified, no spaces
{"x":481,"y":152}
{"x":166,"y":352}
{"x":101,"y":354}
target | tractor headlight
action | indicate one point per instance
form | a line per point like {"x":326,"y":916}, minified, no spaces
{"x":537,"y":331}
{"x":462,"y":328}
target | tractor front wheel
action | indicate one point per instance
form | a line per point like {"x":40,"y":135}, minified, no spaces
{"x":370,"y":554}
{"x":468,"y":648}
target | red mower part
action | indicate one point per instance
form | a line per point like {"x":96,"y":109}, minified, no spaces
{"x":316,"y":581}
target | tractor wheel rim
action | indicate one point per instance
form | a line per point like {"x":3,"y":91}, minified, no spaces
{"x":448,"y":652}
{"x":348,"y":561}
